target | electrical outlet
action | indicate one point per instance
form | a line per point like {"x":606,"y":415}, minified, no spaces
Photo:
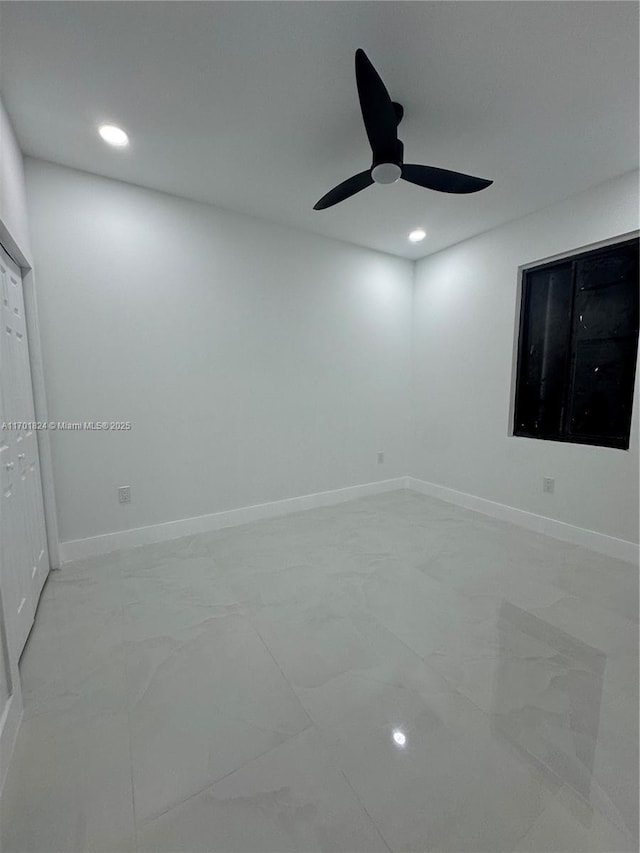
{"x":380,"y":457}
{"x":548,"y":484}
{"x":124,"y":494}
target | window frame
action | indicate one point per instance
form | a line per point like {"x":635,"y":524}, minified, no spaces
{"x":520,"y":328}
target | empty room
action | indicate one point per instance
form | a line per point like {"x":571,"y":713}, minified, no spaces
{"x":319,"y":426}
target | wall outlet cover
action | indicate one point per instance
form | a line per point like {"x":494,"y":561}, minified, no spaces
{"x":124,"y":494}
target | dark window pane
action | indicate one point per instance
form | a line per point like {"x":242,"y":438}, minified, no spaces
{"x":605,"y":333}
{"x":602,"y":390}
{"x":578,"y":347}
{"x":544,"y":340}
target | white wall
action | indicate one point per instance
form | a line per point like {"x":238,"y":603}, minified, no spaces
{"x":254,"y":362}
{"x":13,"y":202}
{"x":464,"y":327}
{"x":258,"y":363}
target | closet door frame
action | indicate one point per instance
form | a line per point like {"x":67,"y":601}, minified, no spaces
{"x":39,"y":395}
{"x":11,"y":713}
{"x":23,"y":532}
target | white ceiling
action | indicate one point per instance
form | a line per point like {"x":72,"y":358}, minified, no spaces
{"x":252,"y":106}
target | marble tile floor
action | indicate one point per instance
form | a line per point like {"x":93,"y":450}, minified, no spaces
{"x":394,"y":673}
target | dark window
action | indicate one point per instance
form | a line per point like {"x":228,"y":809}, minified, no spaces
{"x":577,"y":348}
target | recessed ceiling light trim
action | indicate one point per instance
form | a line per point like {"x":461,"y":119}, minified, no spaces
{"x":417,"y":235}
{"x":399,"y":738}
{"x":113,"y":135}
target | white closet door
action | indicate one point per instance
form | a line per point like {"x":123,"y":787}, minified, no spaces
{"x":24,"y":559}
{"x":28,"y":459}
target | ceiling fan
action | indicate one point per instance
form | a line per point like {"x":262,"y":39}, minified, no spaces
{"x":381,"y":118}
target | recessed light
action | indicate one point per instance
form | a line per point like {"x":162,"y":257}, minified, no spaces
{"x":399,"y":737}
{"x":417,"y":235}
{"x":113,"y":135}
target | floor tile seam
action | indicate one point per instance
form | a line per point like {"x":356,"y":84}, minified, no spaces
{"x":73,"y":717}
{"x":128,"y":651}
{"x":131,"y":781}
{"x":132,"y":702}
{"x":536,"y":761}
{"x":588,"y":600}
{"x":359,"y":674}
{"x":531,"y":825}
{"x":612,"y":651}
{"x":329,"y":749}
{"x":142,"y":823}
{"x":439,"y":692}
{"x":498,"y":654}
{"x":361,"y":804}
{"x":48,"y":696}
{"x":619,"y":823}
{"x":618,"y":827}
{"x":131,"y":644}
{"x":60,"y":639}
{"x":121,"y":586}
{"x":576,"y":597}
{"x":517,"y":749}
{"x":628,"y":624}
{"x":226,"y":715}
{"x":280,"y":670}
{"x":399,"y":639}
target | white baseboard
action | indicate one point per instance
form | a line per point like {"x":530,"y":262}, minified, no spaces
{"x":78,"y":549}
{"x":621,"y":549}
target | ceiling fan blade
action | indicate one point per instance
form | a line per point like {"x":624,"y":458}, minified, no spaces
{"x":344,"y":190}
{"x":443,"y":180}
{"x":378,"y":112}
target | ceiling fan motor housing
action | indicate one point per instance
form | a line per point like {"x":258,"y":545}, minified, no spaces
{"x":386,"y":167}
